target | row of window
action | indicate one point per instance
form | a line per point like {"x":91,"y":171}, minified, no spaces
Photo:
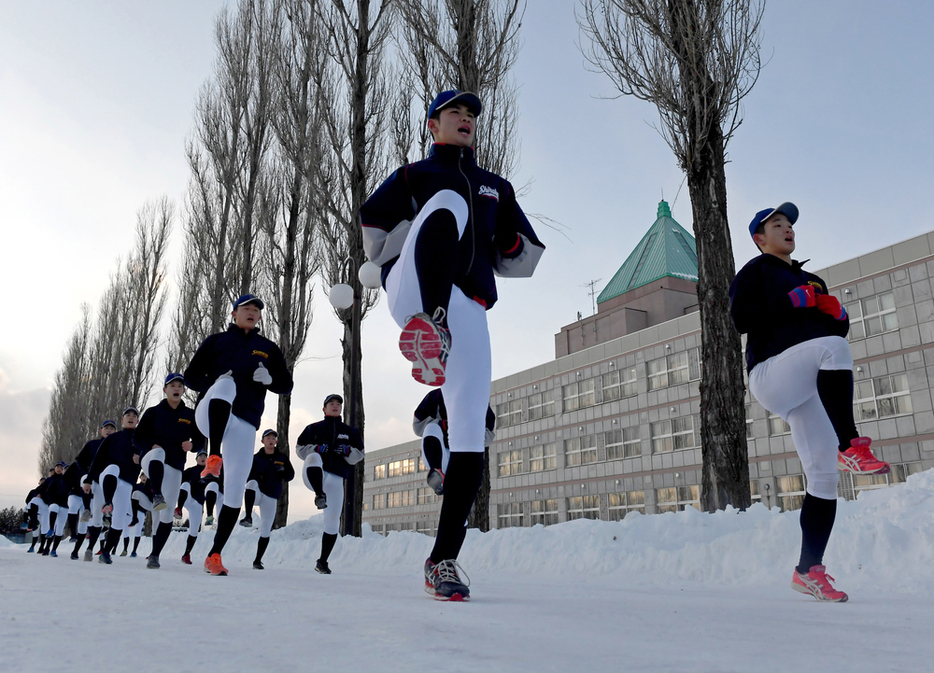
{"x":405,"y":498}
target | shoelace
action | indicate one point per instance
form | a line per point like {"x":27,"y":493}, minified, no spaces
{"x":447,"y":572}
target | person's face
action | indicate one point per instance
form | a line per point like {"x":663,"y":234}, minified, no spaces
{"x":333,"y":408}
{"x":142,"y":477}
{"x":107,"y":430}
{"x":58,"y":469}
{"x":777,"y":237}
{"x":173,"y":391}
{"x":455,"y":125}
{"x":201,"y":459}
{"x":129,"y":420}
{"x":247,"y":315}
{"x":270,"y":442}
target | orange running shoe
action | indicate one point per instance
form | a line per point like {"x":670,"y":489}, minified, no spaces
{"x":213,"y":467}
{"x":859,"y":459}
{"x":213,"y":566}
{"x":817,"y":583}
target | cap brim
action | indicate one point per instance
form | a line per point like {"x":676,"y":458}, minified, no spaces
{"x":471,"y":100}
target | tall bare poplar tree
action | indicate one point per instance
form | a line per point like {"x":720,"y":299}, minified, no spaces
{"x":354,"y":161}
{"x":469,"y":45}
{"x":695,"y":60}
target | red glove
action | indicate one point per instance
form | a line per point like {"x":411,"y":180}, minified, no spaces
{"x":802,"y":296}
{"x":829,"y":304}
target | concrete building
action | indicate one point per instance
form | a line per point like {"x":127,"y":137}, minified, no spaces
{"x":611,"y":424}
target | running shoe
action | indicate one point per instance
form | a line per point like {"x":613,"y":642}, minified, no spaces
{"x":88,"y":555}
{"x":443,"y":581}
{"x":258,"y":565}
{"x":107,"y":508}
{"x":177,"y":513}
{"x":214,"y":566}
{"x":436,"y":481}
{"x":817,"y":583}
{"x":426,"y":343}
{"x":322,"y":567}
{"x":321,"y":501}
{"x":159,"y":503}
{"x":104,"y":558}
{"x":186,"y":559}
{"x":213,"y":467}
{"x":153,"y":562}
{"x":247,"y":522}
{"x":860,"y":460}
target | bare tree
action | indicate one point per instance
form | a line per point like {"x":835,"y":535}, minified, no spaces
{"x":470,"y":45}
{"x":695,"y":60}
{"x":355,"y":91}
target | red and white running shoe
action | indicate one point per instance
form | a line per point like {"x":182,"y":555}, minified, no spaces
{"x":817,"y":583}
{"x":426,"y":344}
{"x":213,"y":565}
{"x":859,"y":459}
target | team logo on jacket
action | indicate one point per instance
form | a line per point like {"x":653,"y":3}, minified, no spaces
{"x":490,"y":192}
{"x":261,"y":354}
{"x":184,"y":420}
{"x":343,"y":436}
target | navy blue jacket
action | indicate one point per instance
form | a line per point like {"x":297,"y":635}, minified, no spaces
{"x":432,"y":410}
{"x":72,"y":477}
{"x":333,"y":432}
{"x":192,"y":477}
{"x":87,"y":453}
{"x":498,"y":240}
{"x":241,"y":352}
{"x":761,"y":308}
{"x":118,"y":449}
{"x":33,"y":493}
{"x":269,"y":471}
{"x":164,"y":426}
{"x":54,"y":491}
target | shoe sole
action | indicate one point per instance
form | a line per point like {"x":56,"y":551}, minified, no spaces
{"x":420,"y":344}
{"x":161,"y":506}
{"x":823,"y":599}
{"x":884,"y":469}
{"x":222,"y":573}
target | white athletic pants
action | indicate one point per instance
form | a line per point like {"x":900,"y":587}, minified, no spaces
{"x":60,"y":518}
{"x":786,"y":384}
{"x":171,"y":482}
{"x":469,"y":369}
{"x":434,"y":430}
{"x":76,"y":506}
{"x":267,"y":509}
{"x":333,"y":489}
{"x":97,"y":502}
{"x":195,"y":512}
{"x":121,"y":501}
{"x":236,"y":445}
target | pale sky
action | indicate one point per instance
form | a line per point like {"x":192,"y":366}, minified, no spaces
{"x":97,"y":99}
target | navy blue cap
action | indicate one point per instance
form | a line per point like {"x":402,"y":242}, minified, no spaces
{"x":270,"y":431}
{"x":174,"y":376}
{"x":334,"y":396}
{"x":108,"y":422}
{"x":202,"y":452}
{"x":248,"y":299}
{"x":446,"y":98}
{"x":129,"y":409}
{"x":787,"y":209}
{"x":62,"y":463}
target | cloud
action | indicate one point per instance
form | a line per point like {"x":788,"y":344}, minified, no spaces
{"x":21,"y":416}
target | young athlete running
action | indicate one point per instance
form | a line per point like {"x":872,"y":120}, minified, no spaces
{"x":32,"y":514}
{"x":232,"y":371}
{"x":801,"y":368}
{"x":440,"y":230}
{"x":112,"y":474}
{"x":329,"y":449}
{"x":264,"y":488}
{"x":191,"y":495}
{"x":54,"y":492}
{"x":83,"y":461}
{"x":166,"y":434}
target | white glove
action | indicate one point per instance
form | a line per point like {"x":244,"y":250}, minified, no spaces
{"x":228,"y":375}
{"x":262,"y":375}
{"x":303,"y":450}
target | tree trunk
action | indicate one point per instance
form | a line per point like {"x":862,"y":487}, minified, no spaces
{"x":282,"y":428}
{"x":725,"y":472}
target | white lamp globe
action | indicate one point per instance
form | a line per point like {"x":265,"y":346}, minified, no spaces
{"x":370,"y":275}
{"x":341,"y":296}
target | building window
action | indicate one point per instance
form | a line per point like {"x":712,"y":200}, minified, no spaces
{"x":580,"y":450}
{"x":426,"y":527}
{"x":540,"y":407}
{"x":509,"y":413}
{"x":790,"y":492}
{"x":674,"y":369}
{"x":584,"y":507}
{"x":881,"y":397}
{"x":379,"y":472}
{"x":543,"y":457}
{"x":579,"y":395}
{"x":750,"y":431}
{"x":673,"y":434}
{"x":426,"y":496}
{"x":623,"y":443}
{"x":873,"y":315}
{"x":677,"y":498}
{"x":397,"y":468}
{"x":509,"y":515}
{"x":618,"y":505}
{"x":509,"y":463}
{"x":402,"y":498}
{"x":611,"y":387}
{"x":778,"y":425}
{"x":379,"y":501}
{"x":544,"y":512}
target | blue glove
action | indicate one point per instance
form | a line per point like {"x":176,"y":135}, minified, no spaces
{"x":322,"y":449}
{"x":343,"y":449}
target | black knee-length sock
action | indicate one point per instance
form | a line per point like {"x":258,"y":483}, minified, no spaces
{"x":835,"y":388}
{"x":461,"y":483}
{"x":817,"y":517}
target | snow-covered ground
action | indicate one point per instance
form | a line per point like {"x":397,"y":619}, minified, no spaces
{"x":672,"y":592}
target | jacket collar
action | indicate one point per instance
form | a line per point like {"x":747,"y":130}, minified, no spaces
{"x":772,"y":259}
{"x":452,"y":153}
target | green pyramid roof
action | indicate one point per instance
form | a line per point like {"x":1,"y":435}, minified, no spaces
{"x":667,"y":249}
